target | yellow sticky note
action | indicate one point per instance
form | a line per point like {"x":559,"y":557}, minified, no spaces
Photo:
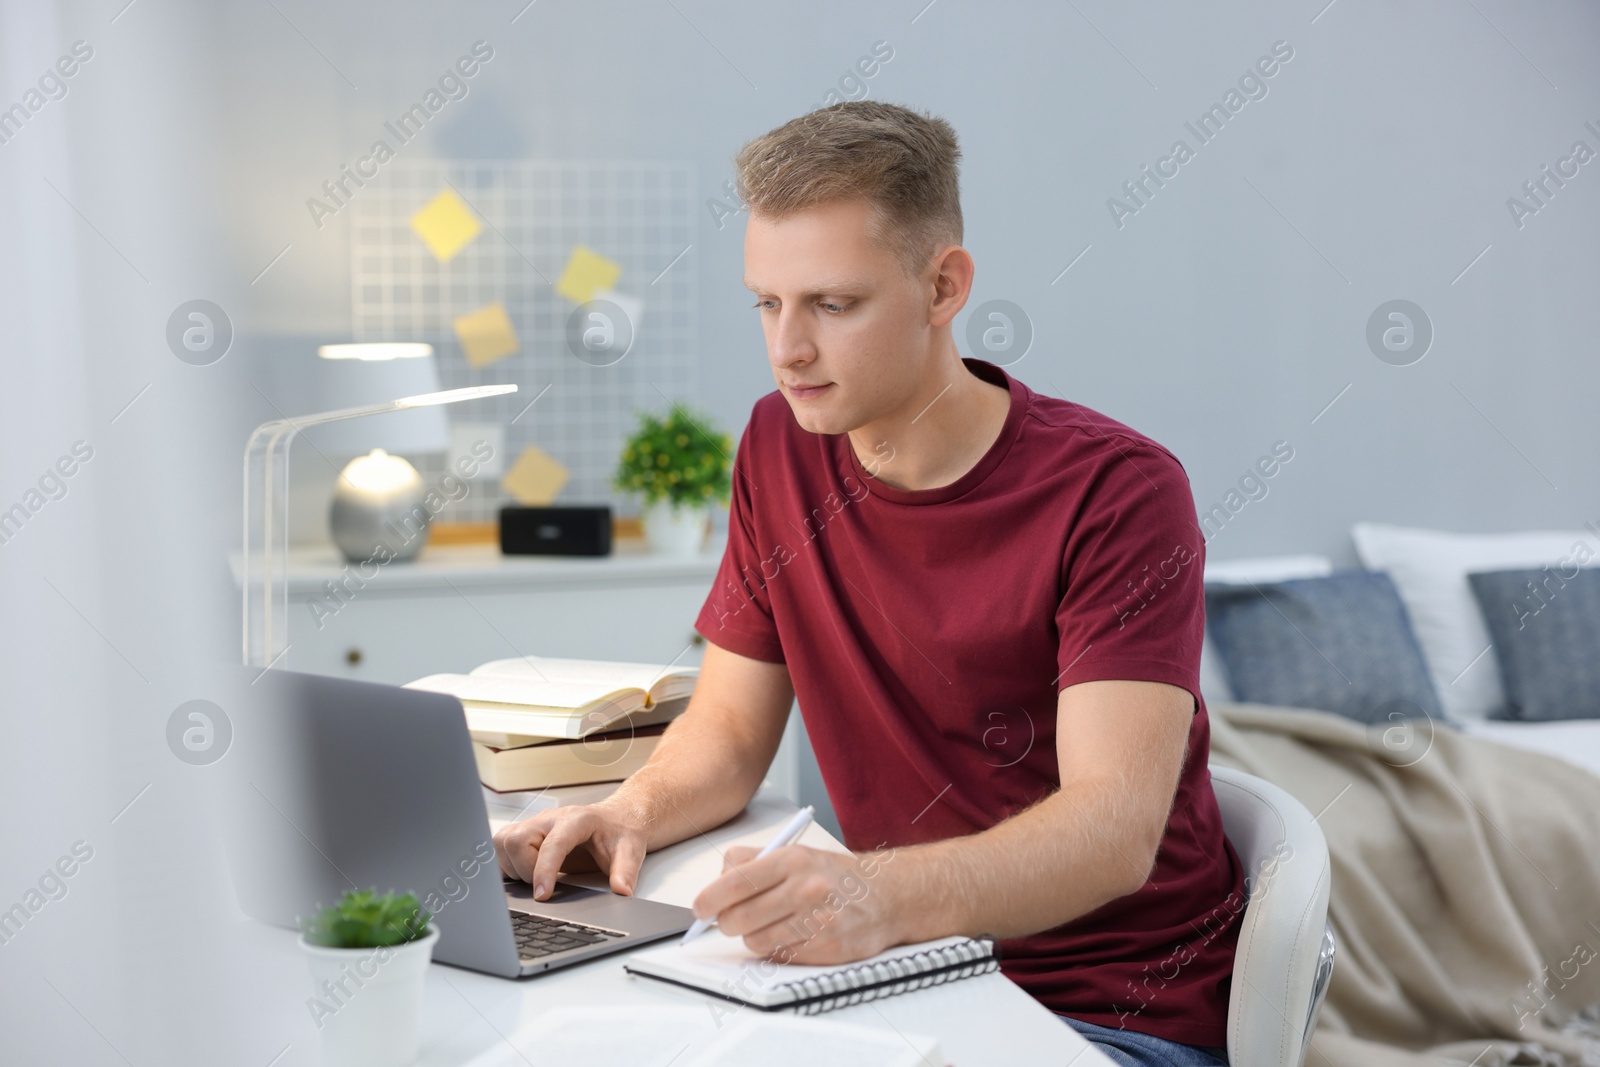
{"x":586,"y":273}
{"x":535,"y":478}
{"x":486,"y":334}
{"x":446,"y":225}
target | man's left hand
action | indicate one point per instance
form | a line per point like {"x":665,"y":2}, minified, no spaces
{"x":803,"y":905}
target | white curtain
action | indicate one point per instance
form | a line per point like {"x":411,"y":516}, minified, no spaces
{"x":119,"y":483}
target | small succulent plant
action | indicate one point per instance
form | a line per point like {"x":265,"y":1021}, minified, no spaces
{"x":364,"y":919}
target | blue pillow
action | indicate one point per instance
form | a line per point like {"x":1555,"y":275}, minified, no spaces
{"x":1546,"y":630}
{"x":1340,"y":643}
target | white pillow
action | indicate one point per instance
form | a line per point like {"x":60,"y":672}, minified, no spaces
{"x":1430,"y":568}
{"x":1260,"y":569}
{"x":1214,"y":685}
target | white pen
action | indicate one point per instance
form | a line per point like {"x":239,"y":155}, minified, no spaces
{"x":786,"y":836}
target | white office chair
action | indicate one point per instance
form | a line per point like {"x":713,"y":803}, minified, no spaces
{"x":1285,"y":955}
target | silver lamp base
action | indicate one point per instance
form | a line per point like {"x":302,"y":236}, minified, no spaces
{"x":387,"y":524}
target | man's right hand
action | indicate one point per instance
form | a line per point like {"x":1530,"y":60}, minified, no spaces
{"x":581,"y":837}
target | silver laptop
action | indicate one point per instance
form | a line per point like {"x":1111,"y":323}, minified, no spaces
{"x":331,"y":785}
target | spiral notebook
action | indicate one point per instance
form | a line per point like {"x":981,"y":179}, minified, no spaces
{"x":722,"y":966}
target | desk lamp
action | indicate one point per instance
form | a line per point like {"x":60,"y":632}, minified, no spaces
{"x":266,"y":529}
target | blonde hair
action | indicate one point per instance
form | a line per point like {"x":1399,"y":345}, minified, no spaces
{"x":903,"y":162}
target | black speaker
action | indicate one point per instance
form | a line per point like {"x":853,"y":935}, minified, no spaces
{"x":569,"y":531}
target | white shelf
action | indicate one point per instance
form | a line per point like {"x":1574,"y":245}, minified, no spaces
{"x":439,"y":567}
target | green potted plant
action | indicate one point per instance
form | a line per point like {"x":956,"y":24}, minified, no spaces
{"x":680,"y":466}
{"x":369,"y":958}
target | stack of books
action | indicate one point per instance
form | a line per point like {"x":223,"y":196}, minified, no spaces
{"x":540,"y":723}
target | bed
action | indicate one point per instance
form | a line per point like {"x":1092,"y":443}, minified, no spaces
{"x":1439,"y":706}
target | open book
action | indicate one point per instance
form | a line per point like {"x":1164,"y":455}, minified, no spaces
{"x":658,"y":713}
{"x":722,"y":966}
{"x":557,"y":698}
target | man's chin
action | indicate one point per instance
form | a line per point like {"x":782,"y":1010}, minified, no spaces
{"x":820,"y":422}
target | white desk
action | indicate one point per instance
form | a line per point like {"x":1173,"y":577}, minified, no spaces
{"x":474,"y":1019}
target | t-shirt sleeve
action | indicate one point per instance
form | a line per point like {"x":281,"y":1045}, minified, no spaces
{"x":737,"y":615}
{"x":1133,"y":574}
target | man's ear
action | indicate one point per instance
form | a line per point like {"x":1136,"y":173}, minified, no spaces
{"x":951,"y":270}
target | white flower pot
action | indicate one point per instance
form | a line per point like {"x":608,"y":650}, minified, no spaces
{"x":676,"y":531}
{"x":367,"y":1002}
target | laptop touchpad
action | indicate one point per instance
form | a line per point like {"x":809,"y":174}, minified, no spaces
{"x":519,"y":892}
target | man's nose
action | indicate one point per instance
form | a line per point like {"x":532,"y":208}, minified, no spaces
{"x":790,"y":341}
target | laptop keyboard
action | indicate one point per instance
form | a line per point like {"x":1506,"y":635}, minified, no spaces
{"x":538,"y":935}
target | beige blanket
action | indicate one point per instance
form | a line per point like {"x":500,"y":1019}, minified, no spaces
{"x":1466,"y":889}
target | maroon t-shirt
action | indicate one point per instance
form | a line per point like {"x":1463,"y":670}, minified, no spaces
{"x":928,"y":634}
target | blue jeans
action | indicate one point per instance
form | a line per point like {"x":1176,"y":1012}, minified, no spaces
{"x":1130,"y":1048}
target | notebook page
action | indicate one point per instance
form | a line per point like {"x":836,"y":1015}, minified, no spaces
{"x":615,"y":1035}
{"x":780,"y":1041}
{"x":627,"y":1035}
{"x":717,"y":962}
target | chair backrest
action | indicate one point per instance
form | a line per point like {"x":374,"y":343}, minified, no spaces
{"x":1284,"y":958}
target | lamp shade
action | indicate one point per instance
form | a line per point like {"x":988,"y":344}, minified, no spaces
{"x":354,"y":375}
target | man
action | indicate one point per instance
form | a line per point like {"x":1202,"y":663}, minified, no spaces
{"x":988,"y":603}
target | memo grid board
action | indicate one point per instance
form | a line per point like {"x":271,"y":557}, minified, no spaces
{"x":639,"y":214}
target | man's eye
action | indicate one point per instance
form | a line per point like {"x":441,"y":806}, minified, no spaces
{"x":761,"y":303}
{"x":833,"y":309}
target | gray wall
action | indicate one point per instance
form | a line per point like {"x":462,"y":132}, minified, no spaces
{"x":1221,"y":318}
